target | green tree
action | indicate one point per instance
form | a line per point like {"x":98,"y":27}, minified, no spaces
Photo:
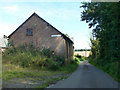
{"x":103,"y":17}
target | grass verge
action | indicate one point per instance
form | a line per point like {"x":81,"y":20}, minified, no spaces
{"x":110,"y":68}
{"x":11,"y":71}
{"x":51,"y":81}
{"x":14,"y":71}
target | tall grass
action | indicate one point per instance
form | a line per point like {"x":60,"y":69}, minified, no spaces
{"x":15,"y":71}
{"x":29,"y":56}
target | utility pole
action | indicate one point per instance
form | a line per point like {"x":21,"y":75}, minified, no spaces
{"x":93,"y":34}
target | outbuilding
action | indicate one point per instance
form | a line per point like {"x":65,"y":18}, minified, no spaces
{"x":39,"y":33}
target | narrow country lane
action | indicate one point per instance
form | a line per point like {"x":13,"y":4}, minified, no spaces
{"x":87,"y":76}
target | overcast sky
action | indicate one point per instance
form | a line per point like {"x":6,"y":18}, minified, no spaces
{"x":65,"y":16}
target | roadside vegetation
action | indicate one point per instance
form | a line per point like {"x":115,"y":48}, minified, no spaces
{"x":80,"y":58}
{"x":105,"y":40}
{"x":28,"y":63}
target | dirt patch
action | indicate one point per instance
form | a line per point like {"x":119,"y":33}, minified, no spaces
{"x":30,"y":82}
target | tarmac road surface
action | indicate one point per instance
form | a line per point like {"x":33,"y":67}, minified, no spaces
{"x":87,"y":76}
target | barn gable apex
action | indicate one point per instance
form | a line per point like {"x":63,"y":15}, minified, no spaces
{"x":34,"y":14}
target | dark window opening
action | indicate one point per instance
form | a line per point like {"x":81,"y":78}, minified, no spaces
{"x":29,"y":32}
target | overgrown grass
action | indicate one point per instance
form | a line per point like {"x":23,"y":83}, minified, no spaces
{"x":24,"y":62}
{"x":69,"y":68}
{"x":112,"y":68}
{"x":14,"y":71}
{"x":27,"y":56}
{"x":51,"y":81}
{"x":11,"y":71}
{"x":80,"y":58}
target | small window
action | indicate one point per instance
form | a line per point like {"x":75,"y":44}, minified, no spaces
{"x":29,"y":32}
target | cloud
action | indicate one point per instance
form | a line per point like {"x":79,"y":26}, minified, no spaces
{"x":11,"y":9}
{"x":6,"y":29}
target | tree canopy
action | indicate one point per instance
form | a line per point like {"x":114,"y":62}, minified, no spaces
{"x":103,"y":17}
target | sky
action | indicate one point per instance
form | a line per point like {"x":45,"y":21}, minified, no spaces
{"x":64,"y":16}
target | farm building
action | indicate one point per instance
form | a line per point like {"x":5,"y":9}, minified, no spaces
{"x":39,"y":33}
{"x":82,"y":52}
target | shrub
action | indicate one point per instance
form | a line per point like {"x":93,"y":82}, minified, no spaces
{"x":69,"y":67}
{"x":54,"y":66}
{"x":73,"y":61}
{"x":78,"y":56}
{"x":9,"y":51}
{"x":28,"y":56}
{"x":60,"y":60}
{"x":47,"y":52}
{"x":77,"y":60}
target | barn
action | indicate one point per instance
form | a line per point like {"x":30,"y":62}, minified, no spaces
{"x":39,"y":33}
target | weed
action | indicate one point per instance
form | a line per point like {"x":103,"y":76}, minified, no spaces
{"x":28,"y":56}
{"x":51,"y":81}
